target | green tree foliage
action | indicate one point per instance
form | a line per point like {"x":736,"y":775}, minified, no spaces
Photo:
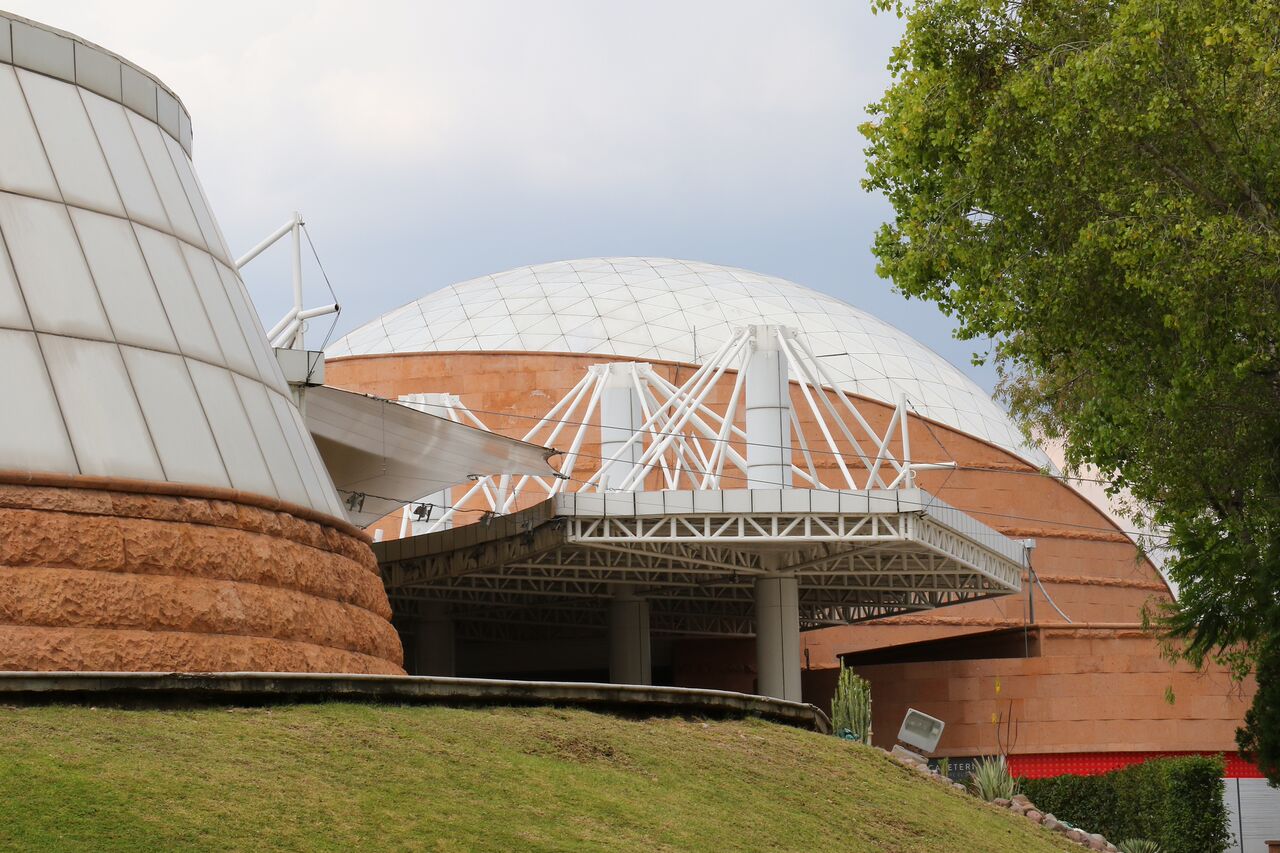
{"x":1264,"y":716}
{"x":1176,"y":802}
{"x":1093,"y":186}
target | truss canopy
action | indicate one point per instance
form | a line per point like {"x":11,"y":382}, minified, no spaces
{"x":694,"y":555}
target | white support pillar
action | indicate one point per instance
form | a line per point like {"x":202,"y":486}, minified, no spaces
{"x":629,"y":648}
{"x":777,"y":594}
{"x":621,"y":417}
{"x":433,"y":643}
{"x":778,"y":636}
{"x":768,"y":412}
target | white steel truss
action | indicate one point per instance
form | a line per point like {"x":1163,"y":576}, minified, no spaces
{"x":690,"y":438}
{"x":660,"y":511}
{"x":856,"y":556}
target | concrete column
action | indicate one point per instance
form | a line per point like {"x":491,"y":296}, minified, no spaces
{"x":433,"y":643}
{"x":629,"y":655}
{"x":777,"y":596}
{"x":621,"y":417}
{"x":768,"y":412}
{"x":778,"y":636}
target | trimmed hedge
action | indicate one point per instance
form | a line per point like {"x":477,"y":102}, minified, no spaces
{"x":1174,"y":801}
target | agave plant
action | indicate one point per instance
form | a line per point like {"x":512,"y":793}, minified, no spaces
{"x":1138,"y":845}
{"x":991,"y":779}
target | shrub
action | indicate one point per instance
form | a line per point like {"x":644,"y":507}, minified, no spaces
{"x":991,"y":779}
{"x":851,"y":706}
{"x":1138,"y":845}
{"x":1175,"y":802}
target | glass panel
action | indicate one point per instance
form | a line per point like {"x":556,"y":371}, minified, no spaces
{"x":23,"y":166}
{"x":50,"y":268}
{"x":176,"y":418}
{"x":225,"y":325}
{"x":13,"y":313}
{"x":222,"y":238}
{"x":255,"y":337}
{"x":125,"y":161}
{"x":166,"y":180}
{"x":332,"y":502}
{"x":315,"y":488}
{"x":101,"y":413}
{"x":37,"y":441}
{"x":270,"y":438}
{"x":178,"y":293}
{"x":125,"y":286}
{"x":183,"y":167}
{"x":231,"y":429}
{"x":70,"y":143}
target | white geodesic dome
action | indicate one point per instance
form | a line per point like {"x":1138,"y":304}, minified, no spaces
{"x":669,"y":310}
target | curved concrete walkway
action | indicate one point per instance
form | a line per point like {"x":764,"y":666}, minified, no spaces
{"x":266,"y":687}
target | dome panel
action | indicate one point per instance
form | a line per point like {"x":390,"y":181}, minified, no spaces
{"x":652,"y":308}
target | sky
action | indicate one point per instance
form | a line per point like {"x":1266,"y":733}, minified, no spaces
{"x":426,"y":143}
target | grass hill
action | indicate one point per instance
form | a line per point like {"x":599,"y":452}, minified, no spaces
{"x":343,"y":776}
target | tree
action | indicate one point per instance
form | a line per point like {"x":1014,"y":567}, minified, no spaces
{"x":1094,"y":186}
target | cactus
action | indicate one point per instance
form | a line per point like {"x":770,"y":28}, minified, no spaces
{"x":851,"y":706}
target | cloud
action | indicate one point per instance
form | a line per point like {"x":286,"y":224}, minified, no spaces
{"x":432,"y":141}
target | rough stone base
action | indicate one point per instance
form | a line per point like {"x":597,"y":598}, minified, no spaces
{"x":99,"y":578}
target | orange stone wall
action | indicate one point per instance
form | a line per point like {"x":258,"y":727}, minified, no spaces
{"x":1090,"y":690}
{"x":137,"y":576}
{"x":1087,"y":564}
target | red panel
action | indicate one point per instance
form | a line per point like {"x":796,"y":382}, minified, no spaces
{"x":1092,"y":763}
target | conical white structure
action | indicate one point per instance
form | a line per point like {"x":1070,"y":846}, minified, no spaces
{"x":162,"y":504}
{"x":130,"y":347}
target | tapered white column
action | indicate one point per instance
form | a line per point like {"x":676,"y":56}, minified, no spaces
{"x":621,"y":417}
{"x":768,"y":412}
{"x":629,"y":652}
{"x":777,"y":595}
{"x":778,"y":636}
{"x":434,"y":650}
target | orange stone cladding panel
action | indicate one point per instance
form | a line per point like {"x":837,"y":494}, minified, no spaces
{"x":1091,"y":690}
{"x":93,"y":578}
{"x":1086,"y":563}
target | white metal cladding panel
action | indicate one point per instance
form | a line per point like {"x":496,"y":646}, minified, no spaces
{"x":69,"y":140}
{"x":226,"y":327}
{"x":664,"y":309}
{"x":175,"y":417}
{"x":23,"y":166}
{"x":172,"y":196}
{"x":178,"y":292}
{"x":129,"y":296}
{"x":231,"y":429}
{"x":50,"y":268}
{"x":38,"y":437}
{"x":95,"y":393}
{"x":124,"y":158}
{"x":148,"y":359}
{"x":270,"y":438}
{"x":13,"y":310}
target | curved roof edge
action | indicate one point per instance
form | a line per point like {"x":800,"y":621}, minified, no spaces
{"x":66,"y":56}
{"x":663,"y":309}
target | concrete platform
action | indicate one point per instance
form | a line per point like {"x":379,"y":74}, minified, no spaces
{"x":169,"y":688}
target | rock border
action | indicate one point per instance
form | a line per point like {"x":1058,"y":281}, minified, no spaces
{"x":1019,"y":804}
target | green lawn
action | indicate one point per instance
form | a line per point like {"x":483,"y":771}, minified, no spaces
{"x":342,"y":776}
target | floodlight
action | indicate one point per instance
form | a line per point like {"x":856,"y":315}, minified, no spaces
{"x":920,"y":730}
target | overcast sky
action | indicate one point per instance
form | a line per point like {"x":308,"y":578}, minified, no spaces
{"x":427,"y":143}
